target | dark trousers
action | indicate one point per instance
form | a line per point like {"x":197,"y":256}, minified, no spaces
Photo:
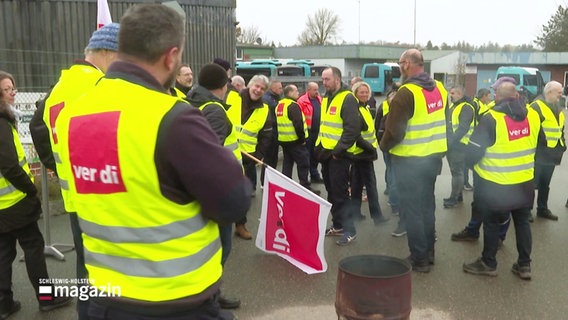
{"x":82,"y":306}
{"x":415,"y":179}
{"x":476,"y":220}
{"x":225,"y":233}
{"x":271,"y":157}
{"x":209,"y":310}
{"x":31,"y":240}
{"x":296,"y":153}
{"x":249,"y":167}
{"x":456,"y":160}
{"x":363,"y":174}
{"x":336,"y":179}
{"x":542,"y":176}
{"x":310,"y":145}
{"x":491,"y":222}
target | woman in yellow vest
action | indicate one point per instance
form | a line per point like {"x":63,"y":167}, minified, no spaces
{"x":19,"y":209}
{"x":362,"y":170}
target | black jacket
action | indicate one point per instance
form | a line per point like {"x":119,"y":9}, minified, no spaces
{"x":28,"y":209}
{"x":214,"y":114}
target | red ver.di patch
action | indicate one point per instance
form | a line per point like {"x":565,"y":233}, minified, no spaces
{"x":517,"y":130}
{"x":93,"y":152}
{"x":433,"y":99}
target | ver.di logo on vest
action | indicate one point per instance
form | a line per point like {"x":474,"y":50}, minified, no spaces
{"x":93,"y":153}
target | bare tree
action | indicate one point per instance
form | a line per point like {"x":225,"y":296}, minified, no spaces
{"x":251,"y":35}
{"x":320,"y":28}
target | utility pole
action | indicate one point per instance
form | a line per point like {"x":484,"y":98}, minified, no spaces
{"x":359,"y":1}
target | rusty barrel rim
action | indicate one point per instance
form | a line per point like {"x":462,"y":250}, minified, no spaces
{"x":383,"y":258}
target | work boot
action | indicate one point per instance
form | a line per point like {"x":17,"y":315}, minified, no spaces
{"x":242,"y":232}
{"x":419,"y":266}
{"x":57,"y":302}
{"x":480,"y":268}
{"x":8,"y":307}
{"x":228,"y":303}
{"x":463,"y":235}
{"x":546,"y":214}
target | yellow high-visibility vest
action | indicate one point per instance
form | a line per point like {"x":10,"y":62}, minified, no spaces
{"x":10,"y":195}
{"x":510,"y":160}
{"x":286,"y":130}
{"x":331,"y":127}
{"x":151,"y":247}
{"x":73,"y":83}
{"x":426,"y":130}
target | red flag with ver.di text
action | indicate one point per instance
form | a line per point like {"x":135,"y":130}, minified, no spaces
{"x":293,"y":222}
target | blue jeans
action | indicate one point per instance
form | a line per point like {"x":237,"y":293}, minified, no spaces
{"x":491,"y":222}
{"x":416,"y":178}
{"x":476,"y":220}
{"x":391,"y":181}
{"x":226,"y":233}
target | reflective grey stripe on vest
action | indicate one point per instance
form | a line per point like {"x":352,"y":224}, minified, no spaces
{"x":368,"y":136}
{"x":21,"y":164}
{"x":232,"y":146}
{"x":157,"y":234}
{"x":439,"y":136}
{"x":500,"y":169}
{"x":552,"y":130}
{"x":7,"y":189}
{"x":249,"y":133}
{"x":509,"y":155}
{"x":332,"y":124}
{"x":64,"y":185}
{"x":330,"y":136}
{"x":286,"y":125}
{"x":57,"y":158}
{"x":10,"y":188}
{"x":427,"y":126}
{"x":154,"y":269}
{"x":247,"y":142}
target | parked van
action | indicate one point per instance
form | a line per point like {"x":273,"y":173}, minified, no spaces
{"x":529,"y":80}
{"x":378,"y":76}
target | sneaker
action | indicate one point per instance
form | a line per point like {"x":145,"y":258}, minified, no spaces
{"x":480,"y":268}
{"x":346,"y":239}
{"x":334,"y":232}
{"x":380,"y":220}
{"x":459,"y":199}
{"x":398,"y":232}
{"x":419,"y":266}
{"x":15,"y":307}
{"x":463,"y":235}
{"x":524,"y":272}
{"x":467,"y":187}
{"x":546,"y":214}
{"x":57,"y":302}
{"x":450,"y":203}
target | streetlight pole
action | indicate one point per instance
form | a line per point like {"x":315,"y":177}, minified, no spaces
{"x":359,"y":1}
{"x":415,"y":23}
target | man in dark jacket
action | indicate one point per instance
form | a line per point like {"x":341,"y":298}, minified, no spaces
{"x":417,"y":153}
{"x":340,"y":128}
{"x":271,"y":98}
{"x":207,"y":96}
{"x":501,"y":151}
{"x":548,"y":156}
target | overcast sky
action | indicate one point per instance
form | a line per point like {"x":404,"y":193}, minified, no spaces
{"x":475,"y":21}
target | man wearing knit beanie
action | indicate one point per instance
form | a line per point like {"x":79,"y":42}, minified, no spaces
{"x":225,"y":64}
{"x":100,"y":52}
{"x":208,"y":97}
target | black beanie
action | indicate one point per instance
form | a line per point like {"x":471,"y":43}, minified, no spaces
{"x":223,"y":63}
{"x":212,"y":76}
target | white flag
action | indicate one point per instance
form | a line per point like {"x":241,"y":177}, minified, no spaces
{"x":103,"y":14}
{"x":292,"y":222}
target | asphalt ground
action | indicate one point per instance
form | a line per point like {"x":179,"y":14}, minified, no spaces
{"x":271,"y":288}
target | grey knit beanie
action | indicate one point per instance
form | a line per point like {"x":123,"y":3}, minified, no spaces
{"x":105,"y":38}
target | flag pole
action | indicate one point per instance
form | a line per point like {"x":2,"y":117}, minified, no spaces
{"x":250,"y":156}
